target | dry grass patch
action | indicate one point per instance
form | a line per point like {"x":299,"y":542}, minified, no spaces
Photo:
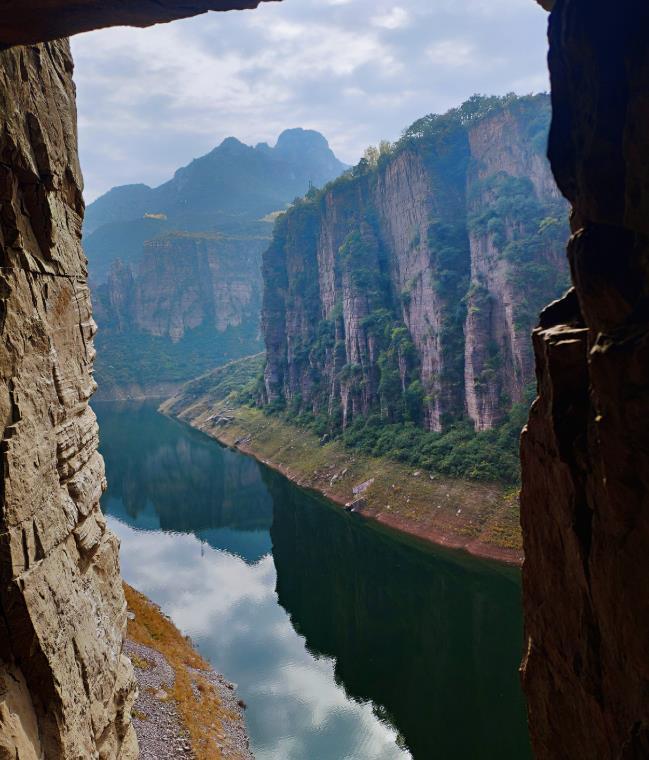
{"x":201,"y":709}
{"x":141,"y":662}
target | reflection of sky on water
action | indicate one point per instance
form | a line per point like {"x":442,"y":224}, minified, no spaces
{"x":340,"y":635}
{"x":296,"y":710}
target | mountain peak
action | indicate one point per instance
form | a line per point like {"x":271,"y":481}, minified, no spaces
{"x":298,"y":138}
{"x":231,"y":144}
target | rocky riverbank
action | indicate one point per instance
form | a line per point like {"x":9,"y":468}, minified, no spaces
{"x":184,"y":709}
{"x":480,"y":518}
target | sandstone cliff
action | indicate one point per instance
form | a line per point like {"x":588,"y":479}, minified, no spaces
{"x":585,"y":453}
{"x":192,"y":303}
{"x":517,"y":233}
{"x":409,"y":287}
{"x":66,"y":686}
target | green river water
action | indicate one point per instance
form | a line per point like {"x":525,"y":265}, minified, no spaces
{"x":345,"y":640}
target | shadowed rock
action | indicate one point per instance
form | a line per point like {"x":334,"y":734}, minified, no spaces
{"x":25,"y":22}
{"x":585,"y":454}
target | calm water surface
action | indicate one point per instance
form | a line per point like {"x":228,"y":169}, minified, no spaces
{"x":346,"y":641}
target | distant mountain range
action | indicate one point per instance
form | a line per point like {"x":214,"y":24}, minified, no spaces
{"x":230,"y":190}
{"x":176,"y":269}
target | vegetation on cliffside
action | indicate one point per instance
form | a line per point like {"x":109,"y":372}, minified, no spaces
{"x":456,"y":511}
{"x":459,"y":452}
{"x":399,"y":299}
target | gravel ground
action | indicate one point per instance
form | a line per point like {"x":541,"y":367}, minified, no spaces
{"x":232,"y":736}
{"x":159,"y":730}
{"x":158,"y":726}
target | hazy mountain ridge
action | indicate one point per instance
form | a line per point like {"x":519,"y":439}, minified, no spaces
{"x":230,"y":189}
{"x":176,"y":270}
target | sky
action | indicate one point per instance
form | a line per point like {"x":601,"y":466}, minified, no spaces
{"x":356,"y":70}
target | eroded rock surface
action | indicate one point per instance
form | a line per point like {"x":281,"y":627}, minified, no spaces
{"x":65,"y":687}
{"x":183,"y":282}
{"x":585,"y":498}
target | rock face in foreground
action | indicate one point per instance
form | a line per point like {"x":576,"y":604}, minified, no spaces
{"x":409,"y":287}
{"x":65,"y":686}
{"x":585,"y":498}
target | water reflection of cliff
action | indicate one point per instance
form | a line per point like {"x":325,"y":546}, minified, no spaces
{"x":357,"y":595}
{"x":163,"y":476}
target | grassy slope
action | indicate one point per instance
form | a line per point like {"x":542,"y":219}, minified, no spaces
{"x":481,"y":517}
{"x":199,"y":706}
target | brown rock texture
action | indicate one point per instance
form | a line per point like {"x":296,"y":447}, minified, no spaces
{"x":585,"y":452}
{"x":409,"y":288}
{"x":65,"y":686}
{"x":29,"y":21}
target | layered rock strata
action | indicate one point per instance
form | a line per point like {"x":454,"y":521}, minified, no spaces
{"x":409,"y":287}
{"x":585,"y":453}
{"x":66,"y":686}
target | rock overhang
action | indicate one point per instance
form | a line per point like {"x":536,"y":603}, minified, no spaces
{"x":24,"y":22}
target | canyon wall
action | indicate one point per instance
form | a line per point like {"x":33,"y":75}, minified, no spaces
{"x":183,"y":282}
{"x":190,"y":304}
{"x":66,"y":687}
{"x":409,"y":287}
{"x":585,"y":453}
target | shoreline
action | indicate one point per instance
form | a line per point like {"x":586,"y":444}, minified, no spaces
{"x":135,"y":392}
{"x":184,"y":708}
{"x":427,"y":534}
{"x":465,"y":515}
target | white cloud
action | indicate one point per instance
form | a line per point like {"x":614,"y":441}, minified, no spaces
{"x":452,"y":53}
{"x":151,"y":100}
{"x":396,"y":18}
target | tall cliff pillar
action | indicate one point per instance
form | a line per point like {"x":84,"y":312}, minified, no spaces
{"x":65,"y":686}
{"x":585,"y":452}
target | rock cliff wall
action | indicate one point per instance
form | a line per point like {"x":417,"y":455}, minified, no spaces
{"x":190,"y":304}
{"x":585,"y":453}
{"x":29,"y":21}
{"x":516,"y":228}
{"x":183,"y":282}
{"x":410,"y":287}
{"x":66,"y":687}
